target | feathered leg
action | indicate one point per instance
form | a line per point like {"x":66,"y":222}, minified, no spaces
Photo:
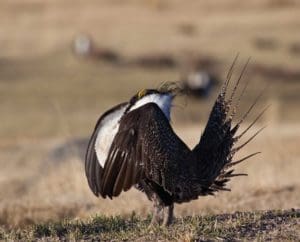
{"x":157,"y":210}
{"x":168,"y":215}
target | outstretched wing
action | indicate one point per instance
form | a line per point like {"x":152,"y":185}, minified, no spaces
{"x":103,"y":134}
{"x":142,"y":148}
{"x":216,"y":147}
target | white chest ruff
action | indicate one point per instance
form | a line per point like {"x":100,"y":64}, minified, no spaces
{"x":164,"y":102}
{"x":109,"y":126}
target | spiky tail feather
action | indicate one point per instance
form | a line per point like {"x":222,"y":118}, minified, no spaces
{"x":216,"y":149}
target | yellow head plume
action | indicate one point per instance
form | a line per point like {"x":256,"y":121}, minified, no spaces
{"x":142,"y":93}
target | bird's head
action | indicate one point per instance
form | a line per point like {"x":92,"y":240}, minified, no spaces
{"x":163,"y":97}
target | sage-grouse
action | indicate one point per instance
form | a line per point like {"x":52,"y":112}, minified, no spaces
{"x":133,"y":144}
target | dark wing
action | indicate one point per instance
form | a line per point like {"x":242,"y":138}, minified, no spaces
{"x":93,"y":169}
{"x":142,"y":148}
{"x":216,"y":147}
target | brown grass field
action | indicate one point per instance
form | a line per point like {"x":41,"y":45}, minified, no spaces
{"x":49,"y":97}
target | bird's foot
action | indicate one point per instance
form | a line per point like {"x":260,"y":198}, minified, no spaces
{"x":168,"y":215}
{"x":157,"y":216}
{"x":155,"y":221}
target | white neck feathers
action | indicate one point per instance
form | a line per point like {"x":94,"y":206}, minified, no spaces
{"x":163,"y":101}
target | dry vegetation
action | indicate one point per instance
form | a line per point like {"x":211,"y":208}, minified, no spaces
{"x":47,"y":97}
{"x":262,"y":226}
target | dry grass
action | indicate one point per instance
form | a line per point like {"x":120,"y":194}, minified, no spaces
{"x":135,"y":27}
{"x":47,"y":96}
{"x":270,"y":225}
{"x":39,"y":75}
{"x":42,"y":190}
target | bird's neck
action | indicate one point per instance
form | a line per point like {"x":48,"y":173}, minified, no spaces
{"x":164,"y":102}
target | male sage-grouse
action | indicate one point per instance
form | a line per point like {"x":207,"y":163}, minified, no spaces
{"x":133,"y":144}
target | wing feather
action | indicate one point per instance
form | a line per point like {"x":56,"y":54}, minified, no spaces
{"x":141,"y":147}
{"x":93,"y":169}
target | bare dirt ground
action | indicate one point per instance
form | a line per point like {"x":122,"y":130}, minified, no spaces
{"x":49,"y":97}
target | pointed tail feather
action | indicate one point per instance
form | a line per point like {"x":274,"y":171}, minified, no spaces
{"x":216,"y":149}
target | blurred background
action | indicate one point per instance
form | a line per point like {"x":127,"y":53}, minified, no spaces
{"x":63,"y":63}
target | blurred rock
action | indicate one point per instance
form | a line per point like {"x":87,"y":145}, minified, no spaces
{"x":277,"y":73}
{"x":265,"y":43}
{"x":295,"y":49}
{"x":155,"y":61}
{"x":187,"y":29}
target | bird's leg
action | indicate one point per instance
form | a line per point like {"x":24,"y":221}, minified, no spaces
{"x":168,"y":215}
{"x":157,"y":209}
